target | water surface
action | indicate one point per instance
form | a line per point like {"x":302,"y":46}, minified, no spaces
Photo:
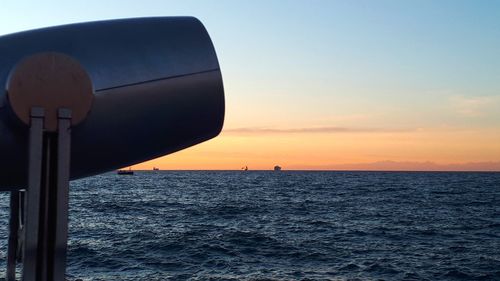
{"x":197,"y":225}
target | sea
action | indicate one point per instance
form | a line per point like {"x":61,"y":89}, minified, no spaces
{"x":287,"y":225}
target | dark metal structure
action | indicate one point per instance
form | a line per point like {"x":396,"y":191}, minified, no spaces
{"x":158,"y":89}
{"x":83,"y":99}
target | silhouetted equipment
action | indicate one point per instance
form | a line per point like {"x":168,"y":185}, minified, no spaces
{"x":99,"y":95}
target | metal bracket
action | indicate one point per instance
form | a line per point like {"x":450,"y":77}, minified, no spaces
{"x":45,"y":207}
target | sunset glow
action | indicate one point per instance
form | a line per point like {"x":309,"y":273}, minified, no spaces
{"x":413,"y":150}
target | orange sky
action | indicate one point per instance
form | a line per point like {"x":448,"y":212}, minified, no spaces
{"x":318,"y":150}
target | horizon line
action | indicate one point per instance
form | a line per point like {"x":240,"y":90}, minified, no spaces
{"x":315,"y":170}
{"x":383,"y":166}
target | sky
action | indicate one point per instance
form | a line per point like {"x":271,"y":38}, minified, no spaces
{"x":398,"y":85}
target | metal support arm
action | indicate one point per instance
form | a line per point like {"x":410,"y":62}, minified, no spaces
{"x":46,"y":203}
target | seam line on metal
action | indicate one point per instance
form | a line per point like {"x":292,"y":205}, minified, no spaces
{"x":156,"y":80}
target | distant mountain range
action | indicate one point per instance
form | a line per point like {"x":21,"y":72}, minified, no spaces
{"x":407,"y":166}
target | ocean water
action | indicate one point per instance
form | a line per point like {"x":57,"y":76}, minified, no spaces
{"x":197,"y":225}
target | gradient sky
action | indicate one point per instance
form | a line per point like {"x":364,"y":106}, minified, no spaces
{"x":321,"y":84}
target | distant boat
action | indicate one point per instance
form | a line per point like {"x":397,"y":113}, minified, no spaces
{"x":155,"y":169}
{"x":125,"y":172}
{"x":277,"y":168}
{"x":245,"y":168}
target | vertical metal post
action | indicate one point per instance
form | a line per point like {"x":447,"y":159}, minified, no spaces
{"x":32,"y":198}
{"x":13,"y":236}
{"x":46,"y":204}
{"x":62,"y":193}
{"x":22,"y":217}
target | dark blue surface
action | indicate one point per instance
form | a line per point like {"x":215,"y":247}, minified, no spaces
{"x":119,"y":52}
{"x":283,"y":226}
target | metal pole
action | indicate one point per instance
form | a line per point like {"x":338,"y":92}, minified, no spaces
{"x":13,"y":236}
{"x":63,"y":165}
{"x":32,"y":202}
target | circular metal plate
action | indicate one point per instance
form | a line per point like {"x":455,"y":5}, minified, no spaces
{"x":50,"y":81}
